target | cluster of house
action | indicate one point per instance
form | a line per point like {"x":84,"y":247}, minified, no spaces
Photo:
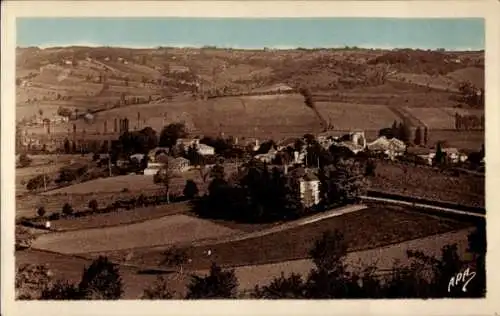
{"x":355,"y":142}
{"x":158,"y":157}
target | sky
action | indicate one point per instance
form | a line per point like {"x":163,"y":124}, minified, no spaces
{"x":424,"y":33}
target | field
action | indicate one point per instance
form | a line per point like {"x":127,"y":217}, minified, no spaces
{"x":440,"y":118}
{"x":162,"y":231}
{"x":382,"y":258}
{"x":356,"y":98}
{"x":66,"y":267}
{"x":366,"y":229}
{"x":429,"y":184}
{"x":121,"y":217}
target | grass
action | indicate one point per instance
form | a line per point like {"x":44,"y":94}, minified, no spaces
{"x":429,"y":184}
{"x":366,"y":229}
{"x":162,"y":231}
{"x":440,"y":118}
{"x":70,"y":268}
{"x":121,"y":217}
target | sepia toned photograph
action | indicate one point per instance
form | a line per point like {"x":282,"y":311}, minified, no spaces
{"x":256,"y":158}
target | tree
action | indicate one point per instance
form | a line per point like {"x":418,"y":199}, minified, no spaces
{"x":328,"y":251}
{"x":440,"y":156}
{"x":41,"y":211}
{"x":67,"y":209}
{"x":93,"y":205}
{"x":175,"y":256}
{"x":194,"y":157}
{"x":291,"y":287}
{"x":418,"y":136}
{"x":171,"y":133}
{"x":61,"y":290}
{"x":404,"y":132}
{"x":217,"y":172}
{"x":158,"y":291}
{"x":343,"y":182}
{"x":163,"y":176}
{"x":24,"y":160}
{"x":31,"y":281}
{"x":370,"y":168}
{"x":24,"y":238}
{"x":395,"y":129}
{"x":67,"y":148}
{"x":101,"y":281}
{"x":190,"y":189}
{"x":37,"y":182}
{"x":217,"y":284}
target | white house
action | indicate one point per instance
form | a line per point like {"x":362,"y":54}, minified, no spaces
{"x":267,"y":157}
{"x":205,"y":150}
{"x":178,"y":164}
{"x":309,"y":190}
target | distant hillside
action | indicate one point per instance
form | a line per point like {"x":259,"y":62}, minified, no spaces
{"x":100,"y":79}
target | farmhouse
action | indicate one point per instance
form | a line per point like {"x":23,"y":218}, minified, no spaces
{"x":178,"y":165}
{"x":269,"y":156}
{"x":391,"y":147}
{"x":308,"y":186}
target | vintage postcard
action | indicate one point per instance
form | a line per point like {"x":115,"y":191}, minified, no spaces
{"x":268,"y":156}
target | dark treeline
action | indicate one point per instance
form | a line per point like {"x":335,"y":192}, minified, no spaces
{"x":469,"y":122}
{"x":258,"y":193}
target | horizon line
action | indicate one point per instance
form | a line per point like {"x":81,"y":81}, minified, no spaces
{"x":237,"y":47}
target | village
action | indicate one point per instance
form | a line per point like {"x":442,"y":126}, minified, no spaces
{"x":172,"y":167}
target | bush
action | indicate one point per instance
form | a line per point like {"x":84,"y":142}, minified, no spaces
{"x":24,"y":160}
{"x":101,"y":281}
{"x":218,"y":284}
{"x":93,"y":205}
{"x":54,"y":216}
{"x":190,"y":189}
{"x":41,"y":211}
{"x":67,"y":209}
{"x":37,"y":182}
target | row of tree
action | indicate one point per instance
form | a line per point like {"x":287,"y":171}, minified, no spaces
{"x":330,"y":278}
{"x":469,"y":122}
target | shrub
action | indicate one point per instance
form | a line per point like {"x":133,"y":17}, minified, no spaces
{"x":37,"y":182}
{"x":41,"y":211}
{"x":158,"y":291}
{"x":67,"y":209}
{"x":190,"y":189}
{"x":101,"y":281}
{"x":93,"y":205}
{"x":24,"y":160}
{"x":54,"y":216}
{"x":218,"y":284}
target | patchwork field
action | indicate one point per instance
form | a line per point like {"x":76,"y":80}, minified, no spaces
{"x":121,"y":217}
{"x":440,"y":118}
{"x":429,"y":184}
{"x":163,"y":231}
{"x":365,"y":229}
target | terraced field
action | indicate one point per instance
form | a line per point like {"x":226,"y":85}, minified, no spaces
{"x":163,"y":231}
{"x":364,"y":229}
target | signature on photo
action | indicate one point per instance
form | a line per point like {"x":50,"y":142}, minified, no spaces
{"x":462,"y":278}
